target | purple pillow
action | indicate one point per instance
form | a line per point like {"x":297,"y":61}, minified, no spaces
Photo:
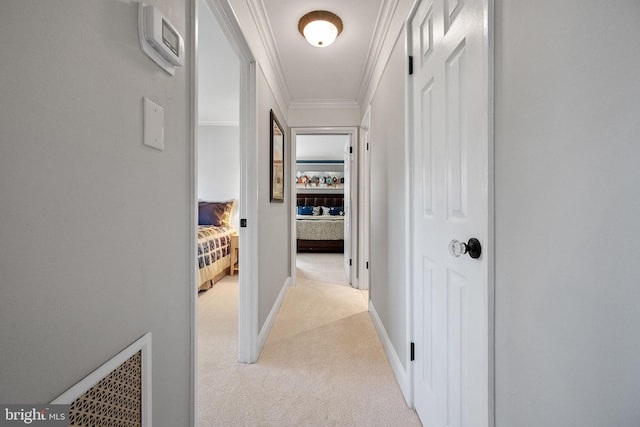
{"x":215,"y":213}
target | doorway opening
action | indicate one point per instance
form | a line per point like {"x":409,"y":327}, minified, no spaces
{"x":218,"y":193}
{"x":324,"y":190}
{"x":223,"y":119}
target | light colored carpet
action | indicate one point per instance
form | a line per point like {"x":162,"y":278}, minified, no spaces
{"x":321,"y":268}
{"x":322,"y":364}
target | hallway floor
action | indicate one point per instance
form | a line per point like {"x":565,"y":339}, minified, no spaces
{"x":322,"y":364}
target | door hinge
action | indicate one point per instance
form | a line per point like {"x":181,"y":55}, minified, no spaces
{"x":367,"y":265}
{"x":350,"y":261}
{"x":413,"y":352}
{"x":410,"y":65}
{"x":243,"y":222}
{"x":367,"y":146}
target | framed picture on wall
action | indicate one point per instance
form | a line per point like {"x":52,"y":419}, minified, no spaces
{"x":277,"y":160}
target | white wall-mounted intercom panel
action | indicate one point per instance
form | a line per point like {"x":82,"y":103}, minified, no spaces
{"x":159,"y":39}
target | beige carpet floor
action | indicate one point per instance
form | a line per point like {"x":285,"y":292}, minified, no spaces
{"x":322,"y":364}
{"x":321,"y":268}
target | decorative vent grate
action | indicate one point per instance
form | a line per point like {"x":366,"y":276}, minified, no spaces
{"x":116,"y":401}
{"x":117,"y":394}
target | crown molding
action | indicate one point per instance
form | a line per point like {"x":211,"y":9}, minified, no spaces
{"x":228,"y":21}
{"x":383,"y":22}
{"x":302,"y":104}
{"x":259,"y":13}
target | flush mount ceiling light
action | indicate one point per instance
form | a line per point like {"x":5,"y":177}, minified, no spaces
{"x":320,"y":27}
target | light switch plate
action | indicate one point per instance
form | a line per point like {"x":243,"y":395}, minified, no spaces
{"x":153,"y":118}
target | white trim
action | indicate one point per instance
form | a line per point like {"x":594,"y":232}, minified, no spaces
{"x":381,"y":62}
{"x":354,"y":208}
{"x":383,"y":22}
{"x":292,"y":206}
{"x":229,"y":25}
{"x":193,"y":217}
{"x":490,"y":246}
{"x":304,"y":104}
{"x":261,"y":18}
{"x":248,"y":349}
{"x":248,"y":256}
{"x":395,"y":362}
{"x":142,"y":344}
{"x":408,"y":185}
{"x":218,"y":123}
{"x":271,"y":318}
{"x":364,"y":209}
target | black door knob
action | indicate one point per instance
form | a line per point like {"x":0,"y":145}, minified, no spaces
{"x":472,"y":247}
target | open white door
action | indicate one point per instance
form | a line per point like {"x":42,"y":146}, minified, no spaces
{"x":347,"y":211}
{"x":450,"y":202}
{"x":364,"y":213}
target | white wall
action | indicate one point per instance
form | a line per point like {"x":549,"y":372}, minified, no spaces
{"x":567,"y":208}
{"x":218,"y":72}
{"x":387,"y":146}
{"x":318,"y":116}
{"x":94,"y":226}
{"x":274,"y":238}
{"x":321,"y":147}
{"x":219,"y":165}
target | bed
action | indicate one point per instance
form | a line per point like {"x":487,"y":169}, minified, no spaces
{"x":320,"y":223}
{"x":214,"y":242}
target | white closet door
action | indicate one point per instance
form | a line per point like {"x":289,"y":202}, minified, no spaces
{"x":450,"y":204}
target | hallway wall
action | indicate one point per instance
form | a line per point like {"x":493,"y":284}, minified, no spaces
{"x":324,"y":116}
{"x":566,"y":201}
{"x":274,"y":235}
{"x":384,"y":95}
{"x":94,"y":226}
{"x":388,"y":225}
{"x":567,"y":145}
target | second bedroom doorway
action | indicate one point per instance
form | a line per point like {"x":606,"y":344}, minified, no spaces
{"x":324,"y":203}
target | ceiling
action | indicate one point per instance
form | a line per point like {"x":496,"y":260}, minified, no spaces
{"x":333,"y":73}
{"x":310,"y":76}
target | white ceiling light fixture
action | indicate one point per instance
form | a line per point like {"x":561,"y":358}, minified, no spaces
{"x":320,"y":27}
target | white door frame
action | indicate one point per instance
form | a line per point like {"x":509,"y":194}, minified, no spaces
{"x":353,"y":135}
{"x":488,"y":249}
{"x":364,"y":200}
{"x":248,"y":256}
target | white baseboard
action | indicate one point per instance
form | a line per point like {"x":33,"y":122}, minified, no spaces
{"x":266,"y":328}
{"x":396,"y":364}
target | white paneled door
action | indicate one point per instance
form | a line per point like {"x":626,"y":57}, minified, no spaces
{"x":450,"y":189}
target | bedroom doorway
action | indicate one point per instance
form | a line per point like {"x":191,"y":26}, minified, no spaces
{"x":325,"y":200}
{"x":223,"y":118}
